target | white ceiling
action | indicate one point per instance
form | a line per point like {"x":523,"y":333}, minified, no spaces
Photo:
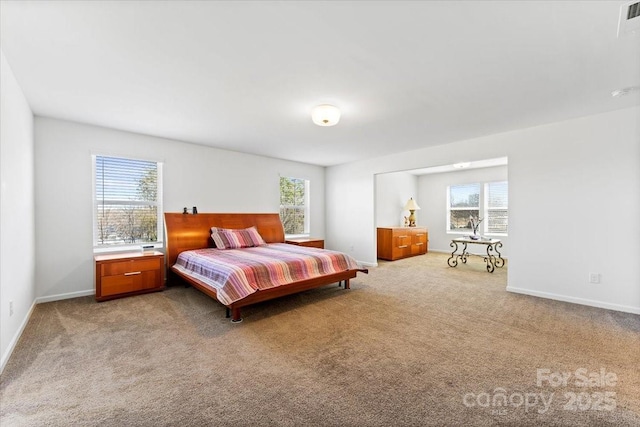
{"x":244,"y":75}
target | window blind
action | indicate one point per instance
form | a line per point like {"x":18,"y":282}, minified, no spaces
{"x":127,"y":201}
{"x":497,"y":206}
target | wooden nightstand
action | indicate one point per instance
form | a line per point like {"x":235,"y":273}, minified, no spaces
{"x":126,"y":274}
{"x":307,"y":241}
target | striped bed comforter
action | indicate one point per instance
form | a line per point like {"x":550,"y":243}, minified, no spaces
{"x":237,"y":273}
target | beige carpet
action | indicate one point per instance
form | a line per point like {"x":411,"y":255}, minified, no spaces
{"x":413,"y":343}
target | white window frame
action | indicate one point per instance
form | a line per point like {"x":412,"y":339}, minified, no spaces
{"x":97,"y":248}
{"x":482,"y":209}
{"x":487,"y":208}
{"x":306,"y":208}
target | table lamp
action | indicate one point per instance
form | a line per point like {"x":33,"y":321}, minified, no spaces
{"x":412,"y":207}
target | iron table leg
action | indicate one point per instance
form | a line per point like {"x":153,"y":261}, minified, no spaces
{"x":453,"y":259}
{"x":499,"y":261}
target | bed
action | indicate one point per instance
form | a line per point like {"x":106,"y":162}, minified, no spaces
{"x":189,"y":251}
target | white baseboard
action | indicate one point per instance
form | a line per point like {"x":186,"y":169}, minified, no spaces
{"x":367,"y":264}
{"x":575,"y":300}
{"x":69,"y":295}
{"x":16,"y":338}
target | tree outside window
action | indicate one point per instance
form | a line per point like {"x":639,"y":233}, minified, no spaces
{"x":294,"y":205}
{"x":464,"y":204}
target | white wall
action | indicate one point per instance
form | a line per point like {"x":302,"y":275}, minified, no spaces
{"x":213,"y":180}
{"x":432,"y":190}
{"x":574,"y":201}
{"x":17,"y":241}
{"x":393,"y":190}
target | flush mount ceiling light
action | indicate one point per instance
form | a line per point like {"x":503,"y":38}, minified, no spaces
{"x":462,"y":165}
{"x":625,"y":91}
{"x":325,"y":115}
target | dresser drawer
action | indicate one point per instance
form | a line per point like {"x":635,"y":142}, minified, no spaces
{"x":418,"y":249}
{"x":419,"y":238}
{"x":402,"y":239}
{"x":130,"y":266}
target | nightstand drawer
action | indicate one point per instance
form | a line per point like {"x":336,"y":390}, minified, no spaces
{"x":130,"y":266}
{"x":129,"y":282}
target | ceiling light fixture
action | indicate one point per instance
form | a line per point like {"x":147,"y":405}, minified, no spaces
{"x":462,"y":165}
{"x":625,"y":91}
{"x":325,"y":115}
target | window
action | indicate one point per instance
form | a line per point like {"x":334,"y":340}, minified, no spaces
{"x":496,"y":207}
{"x":464,"y":203}
{"x":294,"y":205}
{"x":127,"y":202}
{"x":468,"y":201}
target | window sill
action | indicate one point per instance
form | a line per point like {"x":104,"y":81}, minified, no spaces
{"x":126,"y":248}
{"x":466,"y":233}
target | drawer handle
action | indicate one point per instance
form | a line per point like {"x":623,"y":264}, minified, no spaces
{"x":402,"y":237}
{"x":403,"y":246}
{"x":418,"y":244}
{"x":419,"y":234}
{"x":133,"y":273}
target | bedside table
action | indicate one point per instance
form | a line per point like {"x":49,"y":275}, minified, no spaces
{"x":127,"y":274}
{"x":307,"y":241}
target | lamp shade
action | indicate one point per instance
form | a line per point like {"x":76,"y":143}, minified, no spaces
{"x":325,"y":115}
{"x":411,"y":205}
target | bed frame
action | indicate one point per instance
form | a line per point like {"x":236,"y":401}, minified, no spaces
{"x":185,"y":232}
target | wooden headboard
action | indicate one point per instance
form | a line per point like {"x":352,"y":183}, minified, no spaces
{"x":184,"y":232}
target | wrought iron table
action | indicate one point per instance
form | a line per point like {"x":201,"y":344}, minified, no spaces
{"x":491,"y":259}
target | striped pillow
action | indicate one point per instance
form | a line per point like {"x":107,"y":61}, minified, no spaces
{"x":226,"y":238}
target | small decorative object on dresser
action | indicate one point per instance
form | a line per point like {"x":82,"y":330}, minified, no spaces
{"x":309,"y":242}
{"x":127,"y":274}
{"x":399,"y":242}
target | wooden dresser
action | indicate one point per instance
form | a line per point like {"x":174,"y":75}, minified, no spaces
{"x":402,"y":242}
{"x":126,"y":274}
